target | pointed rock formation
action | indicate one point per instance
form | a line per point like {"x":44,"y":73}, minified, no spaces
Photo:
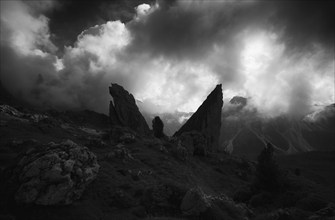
{"x":124,"y":111}
{"x":207,"y":119}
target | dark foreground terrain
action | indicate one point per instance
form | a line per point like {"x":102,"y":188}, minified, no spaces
{"x":149,"y":180}
{"x":77,"y":165}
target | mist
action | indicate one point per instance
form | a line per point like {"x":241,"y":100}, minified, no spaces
{"x":170,"y":56}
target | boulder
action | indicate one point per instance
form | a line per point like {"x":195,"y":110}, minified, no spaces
{"x":55,"y":174}
{"x":194,"y":202}
{"x":207,"y":119}
{"x":123,"y":110}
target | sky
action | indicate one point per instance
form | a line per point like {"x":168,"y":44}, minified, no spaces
{"x":169,"y":54}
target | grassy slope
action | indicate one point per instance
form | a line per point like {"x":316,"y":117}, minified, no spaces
{"x":118,"y":189}
{"x":124,"y":184}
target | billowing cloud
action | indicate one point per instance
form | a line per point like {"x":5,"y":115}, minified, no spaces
{"x":27,"y":34}
{"x":171,"y":56}
{"x":279,"y":83}
{"x":100,"y":57}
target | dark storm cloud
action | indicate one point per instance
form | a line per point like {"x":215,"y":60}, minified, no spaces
{"x":169,"y":54}
{"x":74,"y":16}
{"x":305,"y":22}
{"x":30,"y":78}
{"x":192,"y":30}
{"x":185,"y":31}
{"x":210,"y":32}
{"x":189,"y":29}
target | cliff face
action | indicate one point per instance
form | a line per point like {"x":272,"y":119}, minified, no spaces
{"x":124,"y":111}
{"x":207,"y":119}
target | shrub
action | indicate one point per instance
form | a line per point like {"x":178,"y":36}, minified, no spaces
{"x":290,"y":198}
{"x":261,"y":199}
{"x":164,"y":196}
{"x":243,"y":194}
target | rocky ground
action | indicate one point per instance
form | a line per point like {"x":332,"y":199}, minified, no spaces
{"x":76,"y":165}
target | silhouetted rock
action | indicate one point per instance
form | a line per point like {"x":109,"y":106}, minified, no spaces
{"x":157,"y":127}
{"x":207,"y":119}
{"x":55,"y":173}
{"x":124,"y":111}
{"x":238,"y":100}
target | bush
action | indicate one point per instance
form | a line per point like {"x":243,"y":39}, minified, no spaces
{"x":261,"y":199}
{"x":290,"y":198}
{"x":164,"y":196}
{"x":243,"y":194}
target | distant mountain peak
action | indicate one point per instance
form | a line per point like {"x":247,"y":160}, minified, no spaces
{"x":239,"y":100}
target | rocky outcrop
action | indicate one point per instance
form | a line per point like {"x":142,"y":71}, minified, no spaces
{"x":199,"y":205}
{"x":6,"y":109}
{"x":207,"y":119}
{"x":55,"y":174}
{"x":123,"y":110}
{"x":238,"y":100}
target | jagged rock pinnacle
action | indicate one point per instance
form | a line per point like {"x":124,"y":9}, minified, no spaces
{"x":207,"y":119}
{"x":124,"y":111}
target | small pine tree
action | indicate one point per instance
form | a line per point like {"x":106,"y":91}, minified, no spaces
{"x":268,"y":175}
{"x":158,"y":126}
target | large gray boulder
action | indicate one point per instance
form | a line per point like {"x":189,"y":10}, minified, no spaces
{"x":55,"y":174}
{"x":195,"y":202}
{"x":123,"y":110}
{"x":207,"y":119}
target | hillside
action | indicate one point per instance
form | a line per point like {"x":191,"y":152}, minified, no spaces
{"x":143,"y":177}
